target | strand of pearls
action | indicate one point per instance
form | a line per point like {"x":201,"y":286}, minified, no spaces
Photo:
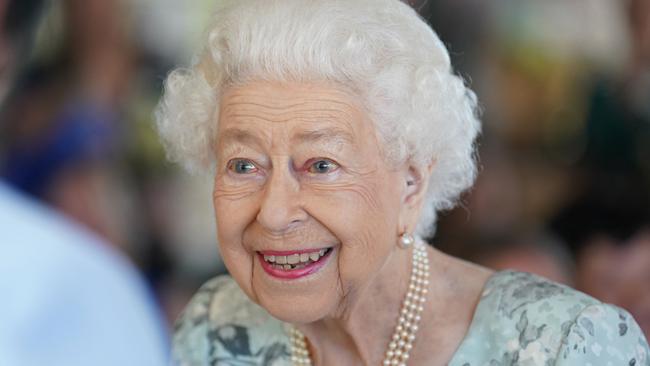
{"x":299,"y":351}
{"x":403,"y":337}
{"x":400,"y":346}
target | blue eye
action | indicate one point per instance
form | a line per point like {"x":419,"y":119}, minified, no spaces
{"x":322,"y":166}
{"x":242,"y":166}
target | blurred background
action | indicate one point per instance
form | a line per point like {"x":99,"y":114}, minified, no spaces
{"x":564,"y":182}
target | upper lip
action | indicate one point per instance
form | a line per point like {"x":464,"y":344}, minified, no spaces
{"x":290,"y":252}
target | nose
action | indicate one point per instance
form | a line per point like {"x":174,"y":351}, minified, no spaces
{"x":281,"y":209}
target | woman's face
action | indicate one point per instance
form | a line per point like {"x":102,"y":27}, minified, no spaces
{"x":301,"y":178}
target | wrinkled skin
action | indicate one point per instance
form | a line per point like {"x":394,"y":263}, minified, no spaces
{"x":282,"y":202}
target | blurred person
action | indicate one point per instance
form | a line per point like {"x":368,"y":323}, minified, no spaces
{"x":333,"y":132}
{"x":67,"y":298}
{"x":67,"y":148}
{"x":530,"y":258}
{"x":60,"y":151}
{"x":534,"y":252}
{"x":607,"y":228}
{"x":619,"y":273}
{"x":617,"y":129}
{"x":608,"y":219}
{"x":504,"y":238}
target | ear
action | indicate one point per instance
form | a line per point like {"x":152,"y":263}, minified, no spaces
{"x":416,"y":184}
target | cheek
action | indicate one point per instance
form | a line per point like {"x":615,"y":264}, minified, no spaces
{"x":234,"y":206}
{"x":234,"y":211}
{"x":359,"y":210}
{"x":363,"y":216}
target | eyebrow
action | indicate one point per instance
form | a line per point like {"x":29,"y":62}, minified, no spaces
{"x":329,"y":135}
{"x":239,"y":135}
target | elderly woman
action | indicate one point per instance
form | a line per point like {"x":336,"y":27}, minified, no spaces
{"x":334,"y":131}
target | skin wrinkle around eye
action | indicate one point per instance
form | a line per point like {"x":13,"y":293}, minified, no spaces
{"x":334,"y":144}
{"x":347,"y":185}
{"x":349,"y":181}
{"x":315,"y":187}
{"x":334,"y":137}
{"x":233,"y":193}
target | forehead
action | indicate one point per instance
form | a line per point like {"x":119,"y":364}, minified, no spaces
{"x":305,"y":110}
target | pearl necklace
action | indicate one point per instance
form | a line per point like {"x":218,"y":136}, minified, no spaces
{"x":403,"y":337}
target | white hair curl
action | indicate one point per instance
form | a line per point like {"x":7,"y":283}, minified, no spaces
{"x":381,"y":49}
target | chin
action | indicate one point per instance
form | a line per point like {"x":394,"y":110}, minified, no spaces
{"x":296,"y":317}
{"x":294,"y":310}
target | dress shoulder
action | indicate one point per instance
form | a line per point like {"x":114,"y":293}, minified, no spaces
{"x":523,"y":319}
{"x":222,"y":326}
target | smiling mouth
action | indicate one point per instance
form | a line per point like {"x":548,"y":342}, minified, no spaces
{"x":294,"y":261}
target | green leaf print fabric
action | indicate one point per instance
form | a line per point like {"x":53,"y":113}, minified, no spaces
{"x":524,"y":320}
{"x":520,"y":320}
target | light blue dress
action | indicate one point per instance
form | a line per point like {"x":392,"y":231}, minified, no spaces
{"x":521,"y":320}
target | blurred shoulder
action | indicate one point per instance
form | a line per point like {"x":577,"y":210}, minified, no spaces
{"x":221,"y":324}
{"x":60,"y":281}
{"x":526,"y":319}
{"x":44,"y":249}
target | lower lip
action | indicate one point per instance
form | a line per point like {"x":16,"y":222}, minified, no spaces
{"x":293,"y":274}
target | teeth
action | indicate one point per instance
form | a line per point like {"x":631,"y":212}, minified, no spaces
{"x":294,"y":261}
{"x":269,"y":258}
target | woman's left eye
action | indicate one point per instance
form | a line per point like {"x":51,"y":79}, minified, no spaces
{"x":322,"y":166}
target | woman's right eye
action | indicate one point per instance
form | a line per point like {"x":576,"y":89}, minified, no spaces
{"x":242,"y":166}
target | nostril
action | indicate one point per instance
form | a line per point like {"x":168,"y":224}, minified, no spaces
{"x":281,"y":219}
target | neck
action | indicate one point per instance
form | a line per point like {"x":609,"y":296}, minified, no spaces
{"x":372,"y":310}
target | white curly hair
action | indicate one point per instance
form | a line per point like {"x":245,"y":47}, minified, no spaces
{"x":380,"y":49}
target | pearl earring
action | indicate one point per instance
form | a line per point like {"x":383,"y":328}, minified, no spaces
{"x":406,"y":240}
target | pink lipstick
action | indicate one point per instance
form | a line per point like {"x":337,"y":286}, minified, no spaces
{"x":291,"y":265}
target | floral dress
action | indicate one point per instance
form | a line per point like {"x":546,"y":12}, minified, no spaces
{"x":520,"y":320}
